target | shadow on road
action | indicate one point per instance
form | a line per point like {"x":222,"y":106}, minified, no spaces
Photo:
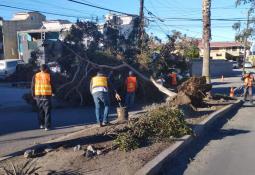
{"x":219,"y":83}
{"x":179,"y":165}
{"x":13,"y":122}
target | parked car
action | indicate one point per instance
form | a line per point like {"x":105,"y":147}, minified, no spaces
{"x":248,"y":65}
{"x":54,"y":67}
{"x":235,"y":65}
{"x":8,"y":67}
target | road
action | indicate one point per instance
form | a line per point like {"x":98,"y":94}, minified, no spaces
{"x":228,"y":149}
{"x":19,"y":128}
{"x":19,"y":125}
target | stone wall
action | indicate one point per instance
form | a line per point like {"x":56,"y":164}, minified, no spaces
{"x":217,"y":68}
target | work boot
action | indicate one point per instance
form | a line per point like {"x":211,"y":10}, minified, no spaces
{"x":105,"y":123}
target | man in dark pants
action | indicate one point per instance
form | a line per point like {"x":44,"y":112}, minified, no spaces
{"x":42,"y":90}
{"x":99,"y":88}
{"x":248,"y":83}
{"x":130,"y":86}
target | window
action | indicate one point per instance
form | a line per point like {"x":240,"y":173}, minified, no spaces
{"x":234,"y":48}
{"x":32,"y":45}
{"x":12,"y":64}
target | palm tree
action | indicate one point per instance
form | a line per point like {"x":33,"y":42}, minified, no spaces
{"x":206,"y":12}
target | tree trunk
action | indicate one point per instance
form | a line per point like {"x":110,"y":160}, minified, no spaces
{"x":206,"y":39}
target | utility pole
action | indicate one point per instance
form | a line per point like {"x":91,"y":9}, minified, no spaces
{"x":246,"y":38}
{"x":206,"y":12}
{"x":141,"y":24}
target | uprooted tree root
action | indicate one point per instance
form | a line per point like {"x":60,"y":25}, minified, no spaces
{"x":192,"y":92}
{"x":161,"y":123}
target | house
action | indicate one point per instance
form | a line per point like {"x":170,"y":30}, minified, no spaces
{"x":123,"y":23}
{"x":224,"y":50}
{"x":44,"y":39}
{"x":19,"y":22}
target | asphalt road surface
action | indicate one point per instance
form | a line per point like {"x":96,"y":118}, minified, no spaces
{"x":228,"y":150}
{"x":19,"y":128}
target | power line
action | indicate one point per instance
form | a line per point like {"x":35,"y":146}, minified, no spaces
{"x":45,"y":12}
{"x":193,"y":26}
{"x":57,"y":6}
{"x":102,"y":8}
{"x":199,"y":19}
{"x":190,"y":19}
{"x":182,"y":29}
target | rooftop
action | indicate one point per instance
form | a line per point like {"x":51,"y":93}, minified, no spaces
{"x":224,"y":44}
{"x":23,"y":15}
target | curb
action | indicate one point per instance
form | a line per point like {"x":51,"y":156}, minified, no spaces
{"x":154,"y":166}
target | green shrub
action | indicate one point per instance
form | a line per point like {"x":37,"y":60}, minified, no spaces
{"x":126,"y":141}
{"x":160,"y":123}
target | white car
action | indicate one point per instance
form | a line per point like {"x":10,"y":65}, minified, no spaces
{"x":54,"y":67}
{"x":247,"y":65}
{"x":8,"y":67}
{"x":235,"y":65}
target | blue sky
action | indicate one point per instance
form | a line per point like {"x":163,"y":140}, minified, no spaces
{"x":221,"y":30}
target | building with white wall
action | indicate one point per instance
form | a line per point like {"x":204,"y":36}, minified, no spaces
{"x":19,"y":22}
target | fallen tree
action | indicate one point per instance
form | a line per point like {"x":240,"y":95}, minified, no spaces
{"x":79,"y":62}
{"x":192,"y":91}
{"x":83,"y":71}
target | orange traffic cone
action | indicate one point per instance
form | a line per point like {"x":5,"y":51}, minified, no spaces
{"x":232,"y":92}
{"x":222,"y":78}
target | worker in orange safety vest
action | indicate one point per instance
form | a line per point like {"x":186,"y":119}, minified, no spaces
{"x":99,"y":88}
{"x":248,"y":83}
{"x":42,"y":90}
{"x":130,"y":87}
{"x":173,"y":78}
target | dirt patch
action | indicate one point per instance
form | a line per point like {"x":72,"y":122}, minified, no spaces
{"x":115,"y":162}
{"x":195,"y":116}
{"x":66,"y":161}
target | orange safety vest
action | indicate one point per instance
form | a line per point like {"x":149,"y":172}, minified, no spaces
{"x":232,"y":92}
{"x":131,"y":84}
{"x":173,"y":79}
{"x":99,"y":81}
{"x":248,"y":80}
{"x":43,"y":84}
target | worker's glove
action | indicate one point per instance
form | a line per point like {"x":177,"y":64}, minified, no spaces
{"x":117,"y":96}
